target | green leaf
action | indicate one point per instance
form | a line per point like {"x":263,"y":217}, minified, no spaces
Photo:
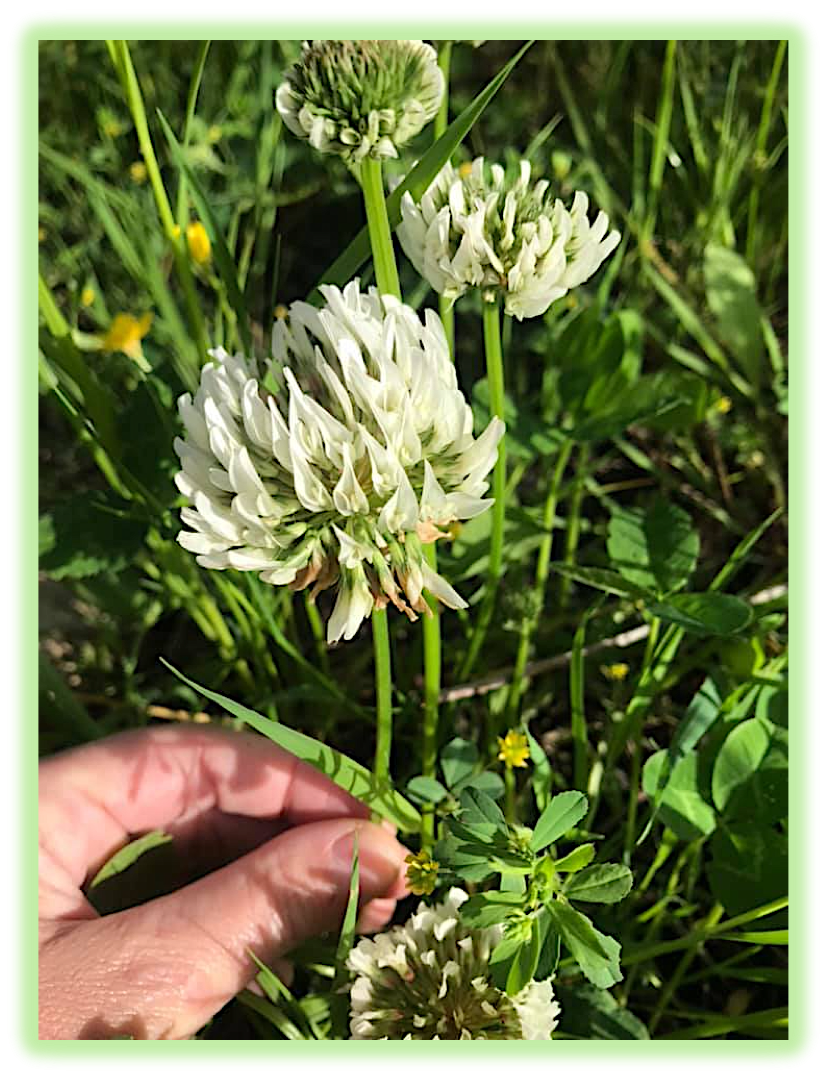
{"x":458,"y":760}
{"x":425,"y":790}
{"x":590,"y":1013}
{"x":91,"y":534}
{"x":486,"y":782}
{"x":703,"y":711}
{"x":602,"y":883}
{"x":705,"y":614}
{"x":491,"y":907}
{"x":541,"y":773}
{"x":480,"y":810}
{"x":655,"y":549}
{"x":347,"y":264}
{"x":597,"y":955}
{"x":223,"y":259}
{"x":749,"y":778}
{"x":340,"y":769}
{"x":731,"y":296}
{"x":125,"y":857}
{"x":601,"y":578}
{"x":513,"y":962}
{"x":577,"y":859}
{"x":681,"y":806}
{"x":749,"y":868}
{"x":615,"y":420}
{"x":558,"y":818}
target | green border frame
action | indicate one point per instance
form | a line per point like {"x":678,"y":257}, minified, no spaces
{"x":562,"y":1051}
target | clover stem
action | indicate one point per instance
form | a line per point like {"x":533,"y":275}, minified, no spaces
{"x":386,"y":274}
{"x":383,"y":694}
{"x":495,"y":382}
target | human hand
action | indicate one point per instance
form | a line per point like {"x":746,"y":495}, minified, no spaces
{"x":160,"y":970}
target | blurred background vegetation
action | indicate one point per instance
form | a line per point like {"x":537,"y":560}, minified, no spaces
{"x":685,"y":147}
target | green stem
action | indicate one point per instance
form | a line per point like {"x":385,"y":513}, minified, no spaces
{"x":509,"y":795}
{"x":635,"y":744}
{"x":432,"y":688}
{"x":573,"y":527}
{"x":318,"y":634}
{"x":383,"y":694}
{"x":380,"y":234}
{"x":495,"y":382}
{"x":541,"y":573}
{"x":760,"y":149}
{"x":386,"y":275}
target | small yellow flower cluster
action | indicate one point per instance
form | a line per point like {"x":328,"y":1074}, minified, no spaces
{"x":138,"y":172}
{"x":514,"y":749}
{"x":200,"y":246}
{"x":618,"y":671}
{"x":422,"y":873}
{"x":125,"y":334}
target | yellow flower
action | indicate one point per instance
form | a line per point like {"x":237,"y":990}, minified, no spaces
{"x":199,"y":246}
{"x":723,"y":405}
{"x":422,"y":873}
{"x":214,"y":134}
{"x":112,"y":128}
{"x":137,"y":170}
{"x":125,"y":334}
{"x":514,"y":749}
{"x":87,"y":297}
{"x":465,"y":169}
{"x":616,"y":672}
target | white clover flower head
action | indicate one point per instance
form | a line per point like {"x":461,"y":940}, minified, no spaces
{"x":333,"y":462}
{"x":478,"y":227}
{"x":361,"y":98}
{"x":428,"y":979}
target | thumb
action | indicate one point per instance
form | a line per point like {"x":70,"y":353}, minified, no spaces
{"x":161,"y":970}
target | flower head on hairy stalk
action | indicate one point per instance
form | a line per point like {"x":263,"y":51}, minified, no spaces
{"x":478,"y":227}
{"x":361,"y":98}
{"x":428,"y":979}
{"x":333,"y":462}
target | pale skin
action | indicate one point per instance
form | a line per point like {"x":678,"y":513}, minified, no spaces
{"x":274,"y":836}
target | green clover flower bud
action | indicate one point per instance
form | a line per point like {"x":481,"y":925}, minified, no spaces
{"x":361,"y":98}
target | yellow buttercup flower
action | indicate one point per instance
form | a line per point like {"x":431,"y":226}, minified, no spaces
{"x":137,"y":170}
{"x":514,"y":749}
{"x":723,"y":405}
{"x":618,"y":671}
{"x":87,"y":297}
{"x":125,"y":334}
{"x":422,"y":873}
{"x":200,"y":247}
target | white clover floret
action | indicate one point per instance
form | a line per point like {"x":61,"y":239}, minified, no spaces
{"x":333,"y":462}
{"x":428,"y":979}
{"x":477,"y":227}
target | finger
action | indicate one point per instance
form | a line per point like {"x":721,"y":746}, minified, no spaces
{"x":166,"y":967}
{"x":94,"y":798}
{"x":375,"y":915}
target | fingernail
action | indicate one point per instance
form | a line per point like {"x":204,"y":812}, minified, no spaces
{"x":380,"y":857}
